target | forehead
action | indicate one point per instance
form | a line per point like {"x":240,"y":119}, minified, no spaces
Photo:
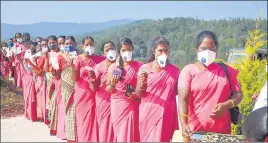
{"x":162,"y":46}
{"x":89,"y":41}
{"x":207,"y":42}
{"x":69,"y":41}
{"x":60,"y":39}
{"x":51,"y":40}
{"x":126,"y":47}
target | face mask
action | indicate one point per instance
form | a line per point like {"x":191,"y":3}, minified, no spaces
{"x":10,"y":45}
{"x":69,"y":48}
{"x":44,"y":49}
{"x":53,"y":47}
{"x":89,"y":50}
{"x":19,"y":40}
{"x":162,"y":60}
{"x":127,"y":56}
{"x":207,"y":57}
{"x":62,"y":48}
{"x":111,"y":55}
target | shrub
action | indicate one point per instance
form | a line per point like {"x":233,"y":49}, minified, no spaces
{"x":252,"y":75}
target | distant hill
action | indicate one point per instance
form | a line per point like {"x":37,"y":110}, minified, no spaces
{"x":45,"y":29}
{"x":181,"y":33}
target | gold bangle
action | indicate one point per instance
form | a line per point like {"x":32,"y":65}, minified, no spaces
{"x":232,"y":103}
{"x":184,"y":115}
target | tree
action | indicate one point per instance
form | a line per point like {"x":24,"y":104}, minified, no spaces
{"x":252,"y":74}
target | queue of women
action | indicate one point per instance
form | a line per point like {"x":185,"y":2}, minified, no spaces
{"x":85,"y":97}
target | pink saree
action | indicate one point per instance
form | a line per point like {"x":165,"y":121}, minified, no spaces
{"x":4,"y":64}
{"x":158,"y":118}
{"x":84,"y":101}
{"x":125,"y":112}
{"x":29,"y":94}
{"x":19,"y":69}
{"x":40,"y":86}
{"x":103,"y":105}
{"x":207,"y":88}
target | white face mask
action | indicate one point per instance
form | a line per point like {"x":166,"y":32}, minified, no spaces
{"x":62,"y":48}
{"x":162,"y":60}
{"x":127,"y":56}
{"x":19,"y":40}
{"x":111,"y":55}
{"x":207,"y":57}
{"x":44,"y":49}
{"x":89,"y":50}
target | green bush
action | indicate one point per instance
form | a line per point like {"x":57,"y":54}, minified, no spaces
{"x":252,"y":74}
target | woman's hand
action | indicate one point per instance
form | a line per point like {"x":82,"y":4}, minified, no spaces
{"x":143,"y":79}
{"x":132,"y":96}
{"x":186,"y":133}
{"x":92,"y":76}
{"x":114,"y":80}
{"x":219,"y":110}
{"x":27,"y":61}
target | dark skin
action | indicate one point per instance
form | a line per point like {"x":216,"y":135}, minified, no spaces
{"x":219,"y":109}
{"x":142,"y":79}
{"x":91,"y":74}
{"x":106,"y":49}
{"x":112,"y":80}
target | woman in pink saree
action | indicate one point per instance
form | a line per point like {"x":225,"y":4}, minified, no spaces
{"x":55,"y":99}
{"x":124,"y":102}
{"x":204,"y":91}
{"x":103,"y":109}
{"x":41,"y":83}
{"x":29,"y":91}
{"x":157,"y":87}
{"x":84,"y":96}
{"x":19,"y":70}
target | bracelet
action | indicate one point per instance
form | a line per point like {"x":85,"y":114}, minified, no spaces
{"x":232,"y":102}
{"x":112,"y":86}
{"x":184,"y":115}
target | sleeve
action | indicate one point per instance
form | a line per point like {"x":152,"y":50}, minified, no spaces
{"x":233,"y":73}
{"x":184,"y":80}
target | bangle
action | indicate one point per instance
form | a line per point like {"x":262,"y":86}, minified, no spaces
{"x":184,"y":115}
{"x":232,"y":102}
{"x":112,"y":86}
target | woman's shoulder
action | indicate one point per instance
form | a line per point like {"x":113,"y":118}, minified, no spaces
{"x":189,"y":67}
{"x":137,"y":63}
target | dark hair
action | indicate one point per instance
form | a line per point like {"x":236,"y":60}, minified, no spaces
{"x":156,"y":41}
{"x":102,"y":46}
{"x":87,"y":38}
{"x":39,"y":38}
{"x":70,"y":38}
{"x":61,"y":36}
{"x":26,"y":34}
{"x":53,"y":37}
{"x":123,"y":42}
{"x":43,"y":40}
{"x":17,"y":34}
{"x":10,"y":39}
{"x":206,"y":34}
{"x":255,"y":128}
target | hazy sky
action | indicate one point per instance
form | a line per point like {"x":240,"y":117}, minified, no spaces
{"x":26,"y":12}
